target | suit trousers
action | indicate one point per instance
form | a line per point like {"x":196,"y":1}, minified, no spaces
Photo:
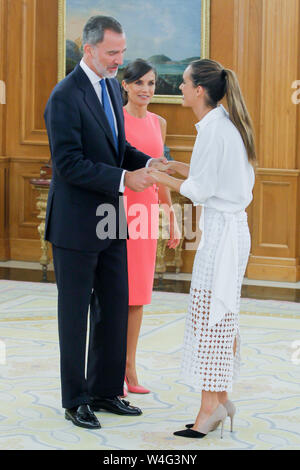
{"x":98,"y":280}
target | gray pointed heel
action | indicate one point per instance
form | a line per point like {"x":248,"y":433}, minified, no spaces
{"x":218,"y":417}
{"x":231,"y":411}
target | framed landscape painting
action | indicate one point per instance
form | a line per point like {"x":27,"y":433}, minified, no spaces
{"x":169,"y":34}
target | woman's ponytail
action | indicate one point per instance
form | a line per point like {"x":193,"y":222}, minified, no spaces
{"x":219,"y":82}
{"x":238,"y":113}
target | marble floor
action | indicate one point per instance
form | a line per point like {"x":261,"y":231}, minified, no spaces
{"x":267,"y":394}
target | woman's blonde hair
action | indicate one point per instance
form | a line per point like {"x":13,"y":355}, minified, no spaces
{"x":219,"y":82}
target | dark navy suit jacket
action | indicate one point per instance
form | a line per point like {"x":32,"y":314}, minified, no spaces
{"x":87,"y":167}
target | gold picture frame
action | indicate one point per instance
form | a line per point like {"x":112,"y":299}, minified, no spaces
{"x":169,"y":99}
{"x":61,"y":40}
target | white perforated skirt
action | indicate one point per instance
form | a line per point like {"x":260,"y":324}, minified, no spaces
{"x":208,"y":361}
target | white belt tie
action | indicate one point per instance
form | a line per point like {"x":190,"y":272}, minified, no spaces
{"x":225,"y":275}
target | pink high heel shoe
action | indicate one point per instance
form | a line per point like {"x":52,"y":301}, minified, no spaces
{"x":135,"y":388}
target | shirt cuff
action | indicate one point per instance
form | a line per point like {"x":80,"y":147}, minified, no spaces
{"x":122,"y":186}
{"x":184,"y":189}
{"x":191,"y":190}
{"x":148,"y":162}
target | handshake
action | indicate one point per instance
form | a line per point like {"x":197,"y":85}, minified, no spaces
{"x":158,"y":171}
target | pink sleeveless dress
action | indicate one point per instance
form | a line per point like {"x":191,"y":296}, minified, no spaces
{"x":142,"y":211}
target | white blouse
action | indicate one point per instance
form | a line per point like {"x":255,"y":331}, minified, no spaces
{"x":221,"y":178}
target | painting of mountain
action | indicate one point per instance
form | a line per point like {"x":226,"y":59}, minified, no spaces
{"x":167,"y":33}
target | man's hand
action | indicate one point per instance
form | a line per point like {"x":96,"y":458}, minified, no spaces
{"x":139,"y":180}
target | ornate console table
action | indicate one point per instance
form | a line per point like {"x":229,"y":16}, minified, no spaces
{"x":166,"y":257}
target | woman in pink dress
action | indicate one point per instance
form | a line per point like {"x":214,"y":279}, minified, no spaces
{"x":146,"y":131}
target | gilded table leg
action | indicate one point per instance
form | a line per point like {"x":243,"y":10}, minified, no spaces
{"x":42,"y":206}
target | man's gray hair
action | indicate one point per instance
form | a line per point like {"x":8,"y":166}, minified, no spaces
{"x":94,"y":30}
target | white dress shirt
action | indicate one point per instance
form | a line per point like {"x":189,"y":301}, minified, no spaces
{"x":95,"y":81}
{"x":221,"y":178}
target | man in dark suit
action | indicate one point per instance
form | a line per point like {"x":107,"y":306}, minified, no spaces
{"x":92,"y":164}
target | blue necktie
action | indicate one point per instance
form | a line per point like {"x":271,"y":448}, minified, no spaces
{"x":108,"y":111}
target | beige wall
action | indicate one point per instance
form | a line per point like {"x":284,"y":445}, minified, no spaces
{"x":259,"y":39}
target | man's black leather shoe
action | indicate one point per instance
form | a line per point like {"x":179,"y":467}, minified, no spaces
{"x":83,"y":417}
{"x":115,"y":405}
